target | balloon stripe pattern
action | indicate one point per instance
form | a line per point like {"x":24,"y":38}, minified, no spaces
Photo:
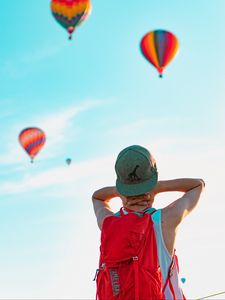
{"x":159,"y":47}
{"x":148,"y":49}
{"x":32,"y":139}
{"x":70,"y":13}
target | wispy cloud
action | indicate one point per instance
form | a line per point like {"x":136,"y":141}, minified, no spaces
{"x":142,"y":125}
{"x":41,"y":54}
{"x":174,"y":159}
{"x":63,"y":176}
{"x":57,"y":125}
{"x":19,"y":66}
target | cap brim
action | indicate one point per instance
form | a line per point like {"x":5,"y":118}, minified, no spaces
{"x":138,"y":188}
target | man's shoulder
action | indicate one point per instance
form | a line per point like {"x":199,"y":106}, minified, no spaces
{"x":166,"y":212}
{"x":169,"y":215}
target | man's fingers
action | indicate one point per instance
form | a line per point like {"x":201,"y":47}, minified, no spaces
{"x":142,"y":203}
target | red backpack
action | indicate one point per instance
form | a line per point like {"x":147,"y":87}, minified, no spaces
{"x":128,"y":266}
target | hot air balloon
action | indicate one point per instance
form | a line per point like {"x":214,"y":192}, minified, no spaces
{"x":68,"y":161}
{"x":159,"y":47}
{"x":183,"y":280}
{"x":70,"y":13}
{"x":32,"y":139}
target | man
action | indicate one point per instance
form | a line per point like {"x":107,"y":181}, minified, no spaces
{"x":137,"y":185}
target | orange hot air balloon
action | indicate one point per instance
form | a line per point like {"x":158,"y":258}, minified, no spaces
{"x":32,"y":139}
{"x":159,"y":47}
{"x":70,"y":13}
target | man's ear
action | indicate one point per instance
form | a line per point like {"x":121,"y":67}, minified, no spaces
{"x":152,"y":196}
{"x":124,"y":199}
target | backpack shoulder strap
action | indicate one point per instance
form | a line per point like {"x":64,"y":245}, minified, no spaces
{"x":150,"y":211}
{"x":170,"y":270}
{"x":117,"y":214}
{"x":124,"y":211}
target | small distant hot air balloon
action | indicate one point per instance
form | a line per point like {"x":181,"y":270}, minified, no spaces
{"x":68,"y":161}
{"x":183,"y":280}
{"x":159,"y":47}
{"x":70,"y":13}
{"x":32,"y":139}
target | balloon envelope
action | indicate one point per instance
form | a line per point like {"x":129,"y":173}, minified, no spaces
{"x":68,"y":161}
{"x":159,"y":47}
{"x":183,"y":280}
{"x":32,"y":139}
{"x":70,"y":13}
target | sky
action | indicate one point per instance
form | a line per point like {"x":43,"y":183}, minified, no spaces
{"x":93,"y":96}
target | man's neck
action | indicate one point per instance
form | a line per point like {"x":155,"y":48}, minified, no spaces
{"x":137,"y":208}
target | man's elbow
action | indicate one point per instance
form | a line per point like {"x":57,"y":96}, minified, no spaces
{"x":202,"y":183}
{"x":94,"y":198}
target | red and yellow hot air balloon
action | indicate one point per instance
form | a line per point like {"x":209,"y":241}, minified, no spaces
{"x":159,"y":47}
{"x":70,"y":13}
{"x":32,"y":139}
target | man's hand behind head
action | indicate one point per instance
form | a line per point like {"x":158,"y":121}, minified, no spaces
{"x":139,"y":202}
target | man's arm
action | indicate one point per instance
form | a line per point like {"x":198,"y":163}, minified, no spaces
{"x":101,"y":199}
{"x":174,"y":213}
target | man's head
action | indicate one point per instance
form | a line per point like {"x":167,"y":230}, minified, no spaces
{"x":136,"y":171}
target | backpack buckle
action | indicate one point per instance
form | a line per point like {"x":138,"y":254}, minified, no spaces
{"x":102,"y":266}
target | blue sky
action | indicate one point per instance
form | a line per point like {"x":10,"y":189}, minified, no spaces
{"x":93,"y":96}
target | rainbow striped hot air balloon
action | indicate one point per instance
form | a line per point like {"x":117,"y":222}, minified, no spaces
{"x":32,"y":139}
{"x":70,"y":13}
{"x":159,"y":47}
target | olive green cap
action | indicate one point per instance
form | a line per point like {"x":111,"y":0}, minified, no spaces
{"x":136,"y":171}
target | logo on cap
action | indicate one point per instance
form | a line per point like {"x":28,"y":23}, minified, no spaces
{"x":136,"y":171}
{"x":132,"y":176}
